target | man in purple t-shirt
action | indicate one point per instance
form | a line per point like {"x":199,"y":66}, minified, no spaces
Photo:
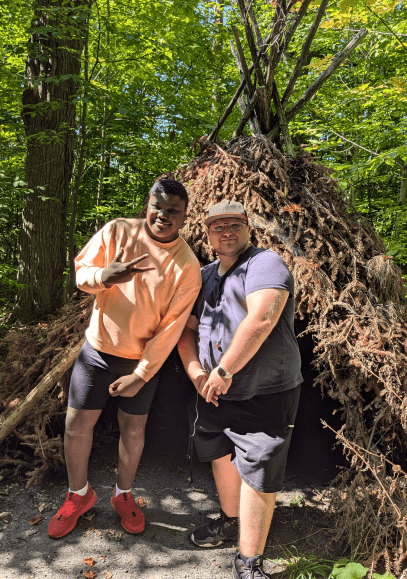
{"x":240,"y":351}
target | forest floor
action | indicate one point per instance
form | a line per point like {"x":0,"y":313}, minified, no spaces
{"x":163,"y":551}
{"x":174,"y":506}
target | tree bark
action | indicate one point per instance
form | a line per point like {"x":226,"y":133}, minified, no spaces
{"x":243,"y":100}
{"x":246,"y":115}
{"x":79,"y":169}
{"x":52,"y":74}
{"x":304,"y":52}
{"x":102,"y":166}
{"x":283,"y":122}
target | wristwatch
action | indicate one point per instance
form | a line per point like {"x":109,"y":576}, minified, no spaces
{"x":222,"y":372}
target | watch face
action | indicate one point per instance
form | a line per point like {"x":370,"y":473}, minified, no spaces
{"x":221,"y":372}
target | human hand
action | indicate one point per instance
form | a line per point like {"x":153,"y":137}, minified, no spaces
{"x":215,"y":385}
{"x":199,"y":379}
{"x":126,"y":386}
{"x":118,"y":272}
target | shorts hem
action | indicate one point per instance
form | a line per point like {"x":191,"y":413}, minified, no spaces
{"x":213,"y":457}
{"x":259,"y":488}
{"x":76,"y":406}
{"x":135,"y":413}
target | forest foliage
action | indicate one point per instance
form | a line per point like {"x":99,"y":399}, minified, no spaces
{"x":156,"y":76}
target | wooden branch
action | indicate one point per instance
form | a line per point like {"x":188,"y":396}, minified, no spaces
{"x":275,"y":50}
{"x":291,"y":4}
{"x":251,"y":42}
{"x":227,"y":111}
{"x":309,"y":93}
{"x":256,"y":29}
{"x":242,"y":100}
{"x":283,"y":122}
{"x":12,"y":421}
{"x":305,"y":49}
{"x":290,"y":33}
{"x":246,"y":115}
{"x":242,"y":62}
{"x":237,"y":94}
{"x":387,"y":26}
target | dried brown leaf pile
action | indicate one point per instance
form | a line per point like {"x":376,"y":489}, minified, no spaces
{"x":32,"y":353}
{"x":347,"y":289}
{"x":353,"y":297}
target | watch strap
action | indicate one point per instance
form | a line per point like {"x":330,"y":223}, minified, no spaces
{"x":223,"y":373}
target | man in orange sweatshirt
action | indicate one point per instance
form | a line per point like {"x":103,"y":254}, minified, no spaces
{"x":145,"y":279}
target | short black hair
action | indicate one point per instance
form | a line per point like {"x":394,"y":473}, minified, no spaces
{"x":170,"y":187}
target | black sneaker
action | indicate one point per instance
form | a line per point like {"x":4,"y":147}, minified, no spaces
{"x":217,"y":532}
{"x":249,"y":568}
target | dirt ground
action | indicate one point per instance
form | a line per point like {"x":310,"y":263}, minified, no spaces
{"x":163,"y":551}
{"x":174,"y":505}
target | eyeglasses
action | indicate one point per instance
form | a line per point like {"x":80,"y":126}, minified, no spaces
{"x":231,"y":227}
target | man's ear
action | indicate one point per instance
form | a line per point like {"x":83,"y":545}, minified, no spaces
{"x":143,"y":212}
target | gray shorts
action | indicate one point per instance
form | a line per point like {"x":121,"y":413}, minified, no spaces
{"x":256,"y":432}
{"x":92,"y":374}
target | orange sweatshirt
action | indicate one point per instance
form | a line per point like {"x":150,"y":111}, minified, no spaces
{"x":144,"y":318}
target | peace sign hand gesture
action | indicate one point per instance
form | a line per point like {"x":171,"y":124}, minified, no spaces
{"x":118,"y":272}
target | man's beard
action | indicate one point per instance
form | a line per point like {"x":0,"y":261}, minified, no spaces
{"x":237,"y":251}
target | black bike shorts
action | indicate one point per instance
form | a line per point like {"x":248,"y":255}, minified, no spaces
{"x":92,"y":374}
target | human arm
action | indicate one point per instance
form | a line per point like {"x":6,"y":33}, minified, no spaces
{"x":99,"y":264}
{"x":264,"y":308}
{"x":122,"y":272}
{"x":126,"y":386}
{"x":188,"y":351}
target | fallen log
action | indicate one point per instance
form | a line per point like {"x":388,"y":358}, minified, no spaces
{"x":49,"y":380}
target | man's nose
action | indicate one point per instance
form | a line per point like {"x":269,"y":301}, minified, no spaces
{"x":163,"y":214}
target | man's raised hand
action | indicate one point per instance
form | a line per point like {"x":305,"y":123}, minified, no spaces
{"x":119,"y":272}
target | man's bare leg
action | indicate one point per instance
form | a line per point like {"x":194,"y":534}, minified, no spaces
{"x":228,"y":484}
{"x":78,"y":444}
{"x":256,"y":512}
{"x":131,"y":446}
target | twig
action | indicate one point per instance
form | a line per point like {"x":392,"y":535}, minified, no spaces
{"x":350,"y":447}
{"x":386,"y":25}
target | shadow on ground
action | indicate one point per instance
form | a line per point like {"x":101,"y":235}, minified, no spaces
{"x":174,"y":504}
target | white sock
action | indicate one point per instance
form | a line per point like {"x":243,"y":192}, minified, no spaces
{"x":117,"y":491}
{"x":82,"y":492}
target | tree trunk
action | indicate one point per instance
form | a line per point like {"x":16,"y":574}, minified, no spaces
{"x":102,"y":166}
{"x":52,"y":74}
{"x":79,"y":171}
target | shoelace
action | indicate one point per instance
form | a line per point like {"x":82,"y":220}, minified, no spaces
{"x":130,"y":502}
{"x":215,"y":523}
{"x":254,"y":572}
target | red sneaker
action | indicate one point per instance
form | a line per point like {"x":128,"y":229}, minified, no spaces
{"x":66,"y":518}
{"x":132,"y":518}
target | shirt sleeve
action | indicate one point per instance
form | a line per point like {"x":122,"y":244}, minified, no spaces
{"x":267,"y":269}
{"x":92,"y":260}
{"x":170,"y":328}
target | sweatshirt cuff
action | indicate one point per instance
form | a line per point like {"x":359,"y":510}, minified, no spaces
{"x":143,"y":373}
{"x":98,"y":279}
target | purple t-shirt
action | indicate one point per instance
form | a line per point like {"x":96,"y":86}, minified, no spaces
{"x":220,"y":308}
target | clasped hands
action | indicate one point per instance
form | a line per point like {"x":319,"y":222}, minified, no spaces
{"x":210,"y":386}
